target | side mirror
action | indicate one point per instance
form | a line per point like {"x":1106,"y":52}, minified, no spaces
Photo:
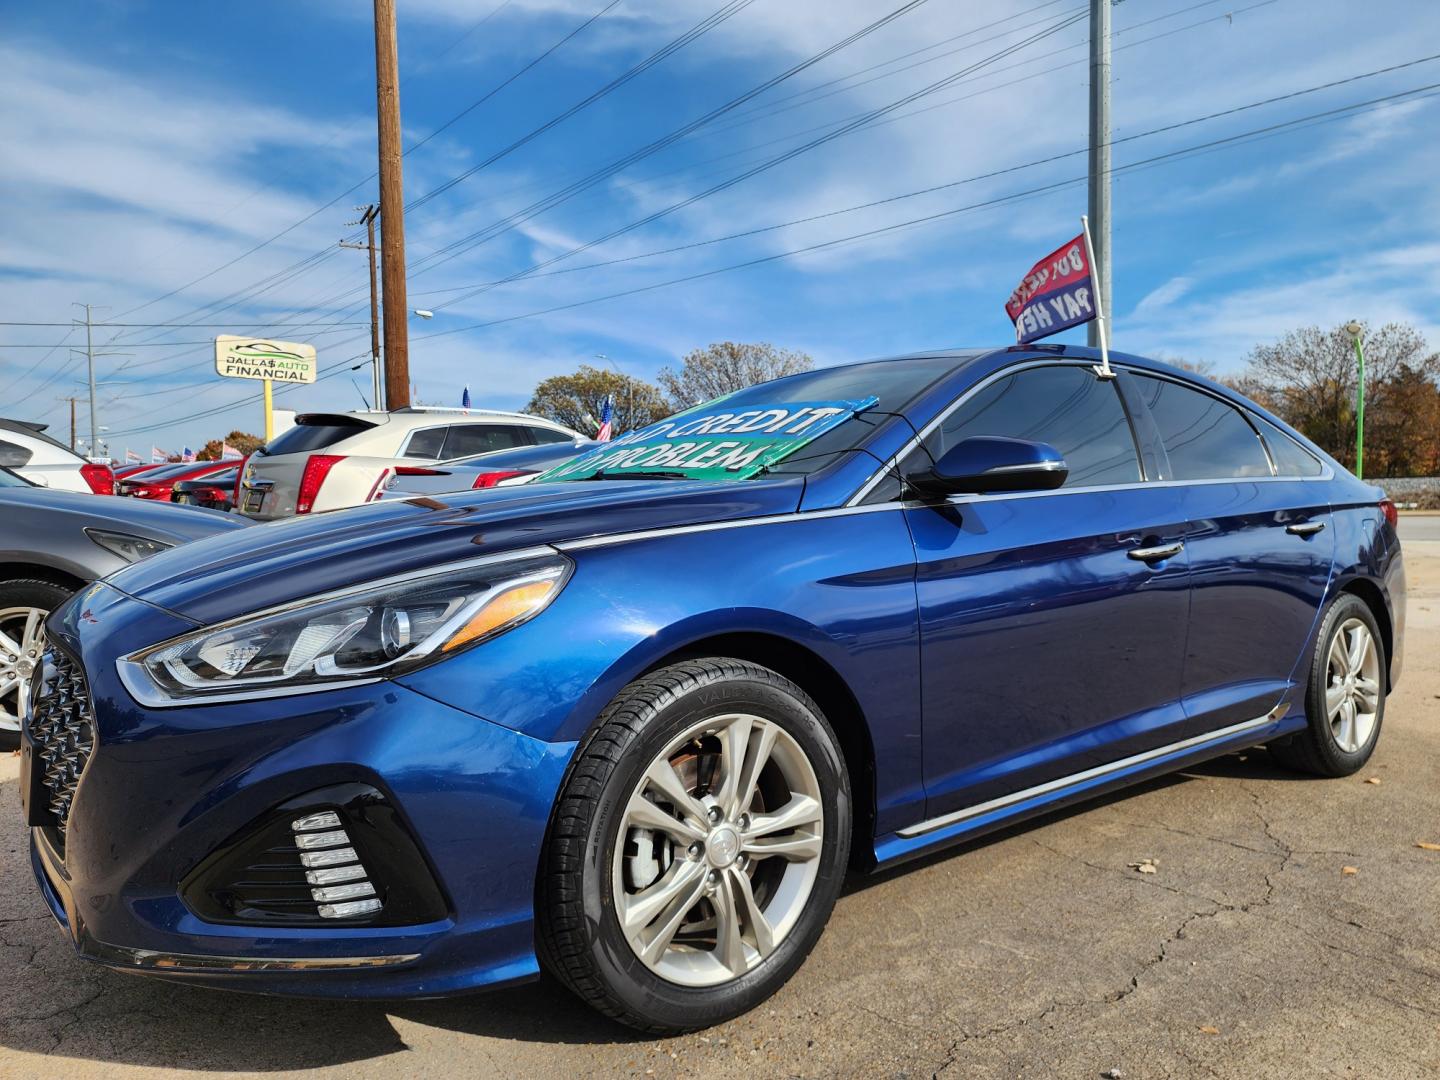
{"x":991,"y":463}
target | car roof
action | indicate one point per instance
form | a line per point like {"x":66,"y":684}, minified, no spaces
{"x":33,"y":431}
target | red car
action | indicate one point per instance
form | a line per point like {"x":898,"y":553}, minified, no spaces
{"x":123,"y":471}
{"x":158,"y":482}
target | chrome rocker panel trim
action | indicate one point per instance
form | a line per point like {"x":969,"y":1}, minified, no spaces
{"x":1055,"y":787}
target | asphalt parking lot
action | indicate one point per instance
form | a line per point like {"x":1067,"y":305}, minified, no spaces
{"x":1292,"y":928}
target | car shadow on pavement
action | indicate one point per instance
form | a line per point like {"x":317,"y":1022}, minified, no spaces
{"x":52,"y":1003}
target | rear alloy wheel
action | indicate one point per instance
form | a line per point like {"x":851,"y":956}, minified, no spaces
{"x":24,"y":606}
{"x":1345,"y":699}
{"x":697,"y":848}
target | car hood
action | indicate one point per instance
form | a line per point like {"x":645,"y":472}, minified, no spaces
{"x":297,"y":557}
{"x":152,"y":520}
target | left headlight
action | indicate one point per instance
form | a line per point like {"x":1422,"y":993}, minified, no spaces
{"x":130,"y":548}
{"x":362,"y":634}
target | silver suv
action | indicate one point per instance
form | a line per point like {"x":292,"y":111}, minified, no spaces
{"x":332,"y":460}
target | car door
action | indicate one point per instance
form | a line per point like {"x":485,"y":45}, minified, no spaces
{"x":1047,"y":646}
{"x":1260,"y":546}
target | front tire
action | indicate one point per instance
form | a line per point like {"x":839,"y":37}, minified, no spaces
{"x":697,"y":847}
{"x":1345,"y":696}
{"x":24,"y":606}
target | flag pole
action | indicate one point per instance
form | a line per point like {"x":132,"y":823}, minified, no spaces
{"x":1103,"y":371}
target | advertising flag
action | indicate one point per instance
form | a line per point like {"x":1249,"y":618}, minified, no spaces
{"x":465,"y":399}
{"x":1056,"y":294}
{"x":228,"y":452}
{"x":131,"y":457}
{"x":158,"y":456}
{"x":606,"y":415}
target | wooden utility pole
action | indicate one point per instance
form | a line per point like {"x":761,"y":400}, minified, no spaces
{"x":392,"y":208}
{"x":377,"y":383}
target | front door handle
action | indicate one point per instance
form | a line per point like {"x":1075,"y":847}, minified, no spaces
{"x":1305,"y":528}
{"x":1155,"y":554}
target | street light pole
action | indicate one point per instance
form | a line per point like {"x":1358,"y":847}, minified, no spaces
{"x":1099,"y":215}
{"x":1356,"y":332}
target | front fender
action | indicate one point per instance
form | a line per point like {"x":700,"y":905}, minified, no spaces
{"x":840,"y":585}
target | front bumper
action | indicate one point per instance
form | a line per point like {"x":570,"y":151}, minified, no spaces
{"x":165,"y":788}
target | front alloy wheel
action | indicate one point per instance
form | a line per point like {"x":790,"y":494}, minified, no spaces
{"x":21,"y":631}
{"x":697,"y":846}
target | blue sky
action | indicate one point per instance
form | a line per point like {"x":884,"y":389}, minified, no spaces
{"x":149,"y":144}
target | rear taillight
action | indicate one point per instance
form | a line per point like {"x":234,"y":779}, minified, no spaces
{"x":100,"y":478}
{"x":1387,"y":507}
{"x":235,"y":495}
{"x":490,"y":479}
{"x":388,"y":477}
{"x":317,"y":467}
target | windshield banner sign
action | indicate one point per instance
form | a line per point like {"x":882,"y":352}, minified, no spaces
{"x":713,"y":442}
{"x":1056,"y":294}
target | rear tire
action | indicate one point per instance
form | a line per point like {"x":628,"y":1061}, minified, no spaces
{"x":1345,"y":694}
{"x":697,"y":847}
{"x":24,"y":605}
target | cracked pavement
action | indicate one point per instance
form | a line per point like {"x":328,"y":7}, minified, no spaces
{"x":1037,"y":952}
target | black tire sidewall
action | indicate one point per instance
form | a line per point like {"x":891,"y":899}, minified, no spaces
{"x":637,"y":988}
{"x":34,"y":593}
{"x":1336,"y":761}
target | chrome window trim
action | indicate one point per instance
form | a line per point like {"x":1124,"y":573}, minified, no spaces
{"x":1327,"y":473}
{"x":1274,"y":716}
{"x":587,"y":542}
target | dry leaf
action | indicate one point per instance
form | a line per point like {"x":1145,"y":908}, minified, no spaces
{"x":1208,"y":1030}
{"x":1372,"y":780}
{"x":1427,"y":845}
{"x":1349,"y":871}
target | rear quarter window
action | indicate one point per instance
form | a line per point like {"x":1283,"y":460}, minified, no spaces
{"x":467,"y":439}
{"x":13,"y":455}
{"x":1291,"y":459}
{"x":425,"y":443}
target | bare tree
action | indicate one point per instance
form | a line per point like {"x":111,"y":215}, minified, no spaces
{"x":1309,"y":377}
{"x":725,"y":367}
{"x":578,"y":400}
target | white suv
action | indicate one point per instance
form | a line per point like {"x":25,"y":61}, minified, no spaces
{"x":27,"y":450}
{"x":332,"y":460}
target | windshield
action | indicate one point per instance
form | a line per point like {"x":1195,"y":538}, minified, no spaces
{"x":796,"y":425}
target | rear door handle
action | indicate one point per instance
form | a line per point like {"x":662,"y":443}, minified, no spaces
{"x":1155,"y":554}
{"x":1305,"y":528}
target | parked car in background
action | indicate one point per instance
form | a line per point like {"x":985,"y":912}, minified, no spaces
{"x":54,"y":542}
{"x":158,"y":483}
{"x":331,"y":460}
{"x":214,"y":491}
{"x":40,"y":459}
{"x":123,"y":472}
{"x":631,"y":724}
{"x":501,"y":468}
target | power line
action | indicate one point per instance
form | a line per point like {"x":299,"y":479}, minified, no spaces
{"x":1257,"y":134}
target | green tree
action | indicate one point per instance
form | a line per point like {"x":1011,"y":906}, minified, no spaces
{"x":725,"y":367}
{"x":578,"y":400}
{"x":240,"y":440}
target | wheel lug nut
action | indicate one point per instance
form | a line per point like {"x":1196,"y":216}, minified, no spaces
{"x":697,"y":849}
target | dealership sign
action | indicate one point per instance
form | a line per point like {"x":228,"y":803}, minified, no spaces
{"x":261,"y":358}
{"x":713,"y":442}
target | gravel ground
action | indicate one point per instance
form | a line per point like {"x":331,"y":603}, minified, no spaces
{"x":1251,"y":952}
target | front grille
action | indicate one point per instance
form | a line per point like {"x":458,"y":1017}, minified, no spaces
{"x":62,"y":729}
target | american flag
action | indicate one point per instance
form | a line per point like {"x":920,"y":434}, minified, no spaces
{"x":187,"y":454}
{"x":606,"y":414}
{"x":465,"y":399}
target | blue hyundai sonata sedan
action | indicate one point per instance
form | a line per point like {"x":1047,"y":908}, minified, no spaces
{"x":633,"y":724}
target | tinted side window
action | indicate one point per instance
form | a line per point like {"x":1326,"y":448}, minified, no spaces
{"x":544,"y":435}
{"x":1291,"y":459}
{"x":1067,"y":407}
{"x":466,"y":439}
{"x":12,"y":455}
{"x":1205,"y":438}
{"x":426,"y":442}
